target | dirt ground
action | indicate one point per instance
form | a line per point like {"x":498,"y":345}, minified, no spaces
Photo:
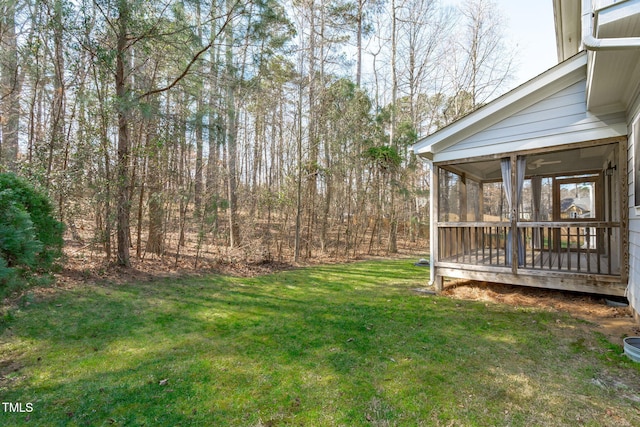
{"x":614,"y":322}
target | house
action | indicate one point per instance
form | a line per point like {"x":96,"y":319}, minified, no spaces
{"x":541,"y":186}
{"x":575,"y":208}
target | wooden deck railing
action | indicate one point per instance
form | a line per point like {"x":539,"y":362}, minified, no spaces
{"x":583,"y":247}
{"x":473,"y":243}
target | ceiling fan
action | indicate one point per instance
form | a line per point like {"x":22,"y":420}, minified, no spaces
{"x":541,"y":162}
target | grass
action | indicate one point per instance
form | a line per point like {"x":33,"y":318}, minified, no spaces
{"x":344,"y":345}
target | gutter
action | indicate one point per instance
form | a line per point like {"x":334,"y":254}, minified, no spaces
{"x":624,"y":43}
{"x":593,"y":43}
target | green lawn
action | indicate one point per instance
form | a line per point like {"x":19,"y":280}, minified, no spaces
{"x":349,"y":345}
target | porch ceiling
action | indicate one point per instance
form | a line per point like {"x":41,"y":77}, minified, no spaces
{"x":569,"y":162}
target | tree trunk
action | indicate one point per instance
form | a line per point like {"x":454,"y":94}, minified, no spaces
{"x":155,"y":240}
{"x":58,"y":105}
{"x":9,"y":86}
{"x":312,"y":169}
{"x":197,"y":198}
{"x":122,"y":171}
{"x":359,"y":30}
{"x":393,"y":225}
{"x":297,"y":242}
{"x":214,"y":136}
{"x":232,"y":132}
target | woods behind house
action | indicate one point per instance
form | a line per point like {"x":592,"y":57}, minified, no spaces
{"x":279,"y":129}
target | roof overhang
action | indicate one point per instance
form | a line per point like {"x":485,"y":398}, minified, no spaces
{"x":567,"y":20}
{"x":614,"y":63}
{"x":536,"y":89}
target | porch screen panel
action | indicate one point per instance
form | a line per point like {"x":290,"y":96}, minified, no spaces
{"x":505,"y":168}
{"x":520,"y":170}
{"x":536,"y":193}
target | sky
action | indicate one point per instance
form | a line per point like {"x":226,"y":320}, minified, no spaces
{"x":530,"y":27}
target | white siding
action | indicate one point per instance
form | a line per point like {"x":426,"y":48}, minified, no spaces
{"x":558,"y":119}
{"x":634,"y":212}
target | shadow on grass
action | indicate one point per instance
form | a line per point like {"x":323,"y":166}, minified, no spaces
{"x":339,"y":345}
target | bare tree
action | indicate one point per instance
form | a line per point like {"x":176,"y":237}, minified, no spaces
{"x":483,"y":61}
{"x":9,"y":86}
{"x":232,"y":132}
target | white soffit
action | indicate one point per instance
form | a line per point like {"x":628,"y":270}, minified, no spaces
{"x":622,"y":14}
{"x":613,"y":78}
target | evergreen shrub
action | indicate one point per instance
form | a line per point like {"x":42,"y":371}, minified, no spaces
{"x":30,"y":236}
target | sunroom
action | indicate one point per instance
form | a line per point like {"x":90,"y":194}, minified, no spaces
{"x":529,"y":190}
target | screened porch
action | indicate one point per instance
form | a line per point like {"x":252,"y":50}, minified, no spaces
{"x":550,"y":219}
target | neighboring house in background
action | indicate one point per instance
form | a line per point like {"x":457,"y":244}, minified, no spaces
{"x":575,"y":208}
{"x":576,"y":125}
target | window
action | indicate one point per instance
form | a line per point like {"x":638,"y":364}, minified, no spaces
{"x":578,"y":198}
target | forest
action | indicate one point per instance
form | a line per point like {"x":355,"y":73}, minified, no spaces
{"x":267,"y":130}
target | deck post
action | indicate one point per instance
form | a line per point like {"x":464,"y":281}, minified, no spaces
{"x":433,"y":228}
{"x":514,"y":214}
{"x":480,"y":201}
{"x":463,"y":198}
{"x":624,"y":211}
{"x":438,"y":283}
